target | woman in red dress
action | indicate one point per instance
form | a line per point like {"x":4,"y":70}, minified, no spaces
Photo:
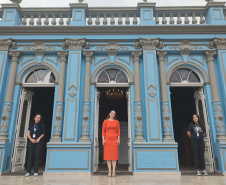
{"x":111,"y":140}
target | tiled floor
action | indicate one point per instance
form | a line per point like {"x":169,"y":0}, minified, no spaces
{"x":119,"y":180}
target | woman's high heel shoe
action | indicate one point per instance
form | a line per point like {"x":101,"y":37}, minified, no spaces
{"x":113,"y":175}
{"x":109,"y":174}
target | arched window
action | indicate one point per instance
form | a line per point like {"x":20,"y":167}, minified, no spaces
{"x":112,"y":76}
{"x":184,"y":76}
{"x":44,"y":76}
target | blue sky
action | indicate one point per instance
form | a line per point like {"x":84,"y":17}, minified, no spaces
{"x":65,"y":3}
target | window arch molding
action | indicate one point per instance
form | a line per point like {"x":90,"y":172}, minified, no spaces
{"x":112,"y":75}
{"x":31,"y":67}
{"x":120,"y":67}
{"x":191,"y":69}
{"x":202,"y":74}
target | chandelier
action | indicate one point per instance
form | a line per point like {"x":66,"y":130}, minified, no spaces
{"x":114,"y":94}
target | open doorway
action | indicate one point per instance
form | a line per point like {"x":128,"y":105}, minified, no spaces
{"x":186,"y":101}
{"x":120,"y":105}
{"x":41,"y":101}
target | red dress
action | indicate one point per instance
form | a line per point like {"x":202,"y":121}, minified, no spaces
{"x":111,"y":131}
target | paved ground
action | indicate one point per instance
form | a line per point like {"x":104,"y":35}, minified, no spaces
{"x":119,"y":180}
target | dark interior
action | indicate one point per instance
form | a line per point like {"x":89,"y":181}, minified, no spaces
{"x":105,"y":106}
{"x":183,"y":107}
{"x":42,"y":102}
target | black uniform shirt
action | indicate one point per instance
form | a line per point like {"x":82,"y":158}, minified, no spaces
{"x":197,"y":131}
{"x":37,"y":129}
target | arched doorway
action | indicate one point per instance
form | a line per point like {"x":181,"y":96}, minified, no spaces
{"x":187,"y":97}
{"x":37,"y":96}
{"x":113,"y":93}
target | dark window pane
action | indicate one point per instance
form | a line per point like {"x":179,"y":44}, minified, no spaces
{"x":112,"y":73}
{"x":193,"y":77}
{"x":103,"y":78}
{"x":41,"y":73}
{"x":183,"y":73}
{"x":121,"y":78}
{"x":32,"y":78}
{"x":175,"y":77}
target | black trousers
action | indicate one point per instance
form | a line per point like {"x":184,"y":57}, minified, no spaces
{"x":198,"y":149}
{"x":34,"y":151}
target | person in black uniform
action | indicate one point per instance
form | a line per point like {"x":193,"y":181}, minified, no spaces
{"x":35,"y":135}
{"x":196,"y":132}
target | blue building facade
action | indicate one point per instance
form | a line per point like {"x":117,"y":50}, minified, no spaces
{"x":168,"y":62}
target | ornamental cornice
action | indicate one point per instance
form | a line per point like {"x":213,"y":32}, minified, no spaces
{"x":63,"y":56}
{"x":114,"y":30}
{"x":210,"y":55}
{"x":112,"y":45}
{"x":136,"y":55}
{"x":15,"y":56}
{"x":75,"y":44}
{"x":88,"y":55}
{"x":161,"y":55}
{"x":149,"y":44}
{"x":6,"y":44}
{"x":218,"y":43}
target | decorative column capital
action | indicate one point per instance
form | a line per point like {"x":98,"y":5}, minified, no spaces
{"x":88,"y":55}
{"x":218,"y":43}
{"x":161,"y":55}
{"x":15,"y":56}
{"x":75,"y":44}
{"x":16,"y":1}
{"x":63,"y":56}
{"x":210,"y":55}
{"x":149,"y":44}
{"x":136,"y":55}
{"x":6,"y":44}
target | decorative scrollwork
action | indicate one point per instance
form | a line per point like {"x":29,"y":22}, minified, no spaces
{"x":75,"y":44}
{"x":219,"y":118}
{"x":166,"y":118}
{"x":86,"y":118}
{"x":15,"y":56}
{"x":218,"y":43}
{"x":161,"y":55}
{"x":210,"y":55}
{"x":138,"y":117}
{"x":63,"y":56}
{"x":136,"y":55}
{"x":6,"y":44}
{"x":149,"y":44}
{"x":88,"y":56}
{"x":5,"y":117}
{"x":58,"y":122}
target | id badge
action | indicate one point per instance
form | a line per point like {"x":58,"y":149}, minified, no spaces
{"x":197,"y":134}
{"x":34,"y":136}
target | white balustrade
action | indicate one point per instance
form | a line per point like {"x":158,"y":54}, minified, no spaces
{"x":170,"y":18}
{"x":112,"y":18}
{"x":46,"y":19}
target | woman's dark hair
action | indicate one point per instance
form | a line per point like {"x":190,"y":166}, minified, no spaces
{"x":37,"y":115}
{"x":109,"y":115}
{"x":197,"y":117}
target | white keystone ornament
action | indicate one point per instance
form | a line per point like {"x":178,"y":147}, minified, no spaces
{"x":80,"y":1}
